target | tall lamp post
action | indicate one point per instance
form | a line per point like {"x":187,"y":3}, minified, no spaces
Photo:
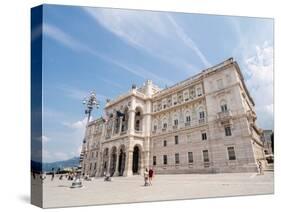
{"x":90,"y":103}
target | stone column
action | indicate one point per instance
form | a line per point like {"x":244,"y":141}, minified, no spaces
{"x":108,"y":163}
{"x":113,"y":126}
{"x":131,"y":121}
{"x":131,"y":124}
{"x":116,"y":173}
{"x":128,"y":166}
{"x":120,"y":125}
{"x":146,"y":159}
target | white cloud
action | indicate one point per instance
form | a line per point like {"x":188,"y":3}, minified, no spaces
{"x":62,"y":37}
{"x":72,"y":43}
{"x":259,"y":69}
{"x":157,"y":33}
{"x":188,"y":41}
{"x":77,"y":125}
{"x":74,"y":93}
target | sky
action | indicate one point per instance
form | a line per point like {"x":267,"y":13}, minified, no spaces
{"x":108,"y":50}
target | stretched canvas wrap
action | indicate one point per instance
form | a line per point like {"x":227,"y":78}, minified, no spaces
{"x":137,"y":106}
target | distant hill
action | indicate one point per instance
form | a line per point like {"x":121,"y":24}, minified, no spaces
{"x":73,"y":162}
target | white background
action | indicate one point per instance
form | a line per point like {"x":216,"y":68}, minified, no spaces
{"x":15,"y":101}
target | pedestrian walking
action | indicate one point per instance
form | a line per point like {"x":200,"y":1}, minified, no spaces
{"x":260,"y":167}
{"x":150,"y":175}
{"x":53,"y":174}
{"x":145,"y":177}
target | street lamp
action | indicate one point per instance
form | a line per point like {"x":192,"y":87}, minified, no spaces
{"x":90,"y":103}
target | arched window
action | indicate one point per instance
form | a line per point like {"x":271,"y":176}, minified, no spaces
{"x":187,"y":118}
{"x":186,"y":95}
{"x":201,"y":114}
{"x":176,"y":119}
{"x":138,"y":119}
{"x":154,"y":125}
{"x":164,"y":123}
{"x":223,"y":106}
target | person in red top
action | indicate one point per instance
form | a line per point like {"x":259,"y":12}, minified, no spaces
{"x":150,"y":175}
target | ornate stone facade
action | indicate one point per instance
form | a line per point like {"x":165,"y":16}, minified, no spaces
{"x":205,"y":124}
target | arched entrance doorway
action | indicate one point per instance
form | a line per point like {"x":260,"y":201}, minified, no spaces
{"x":113,"y":158}
{"x":105,"y":161}
{"x":136,"y":160}
{"x":121,"y":161}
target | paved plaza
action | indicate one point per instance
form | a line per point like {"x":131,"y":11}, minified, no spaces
{"x":58,"y":193}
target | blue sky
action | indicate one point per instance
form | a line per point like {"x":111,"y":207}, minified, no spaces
{"x":108,"y":50}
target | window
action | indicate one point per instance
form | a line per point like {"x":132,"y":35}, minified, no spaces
{"x":180,"y":98}
{"x":201,"y":115}
{"x":187,"y":119}
{"x":155,"y":127}
{"x":176,"y":122}
{"x":205,"y":156}
{"x":154,"y":160}
{"x":97,"y":154}
{"x":186,"y":96}
{"x":159,"y":106}
{"x":95,"y":166}
{"x":174,"y":99}
{"x":164,"y":121}
{"x":192,"y":93}
{"x":190,"y":157}
{"x":223,"y":105}
{"x":231,"y":153}
{"x":199,"y":92}
{"x":92,"y":154}
{"x":176,"y":139}
{"x":204,"y":136}
{"x":227,"y":130}
{"x":177,"y":158}
{"x":164,"y":143}
{"x":164,"y":103}
{"x":165,"y":160}
{"x":154,"y":108}
{"x":90,"y":166}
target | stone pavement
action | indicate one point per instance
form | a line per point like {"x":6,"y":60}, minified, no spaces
{"x":58,"y":193}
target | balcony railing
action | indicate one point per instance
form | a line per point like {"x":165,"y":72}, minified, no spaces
{"x":224,"y":115}
{"x":201,"y":121}
{"x":175,"y":127}
{"x":187,"y":124}
{"x":138,"y":132}
{"x":123,"y":132}
{"x":164,"y":129}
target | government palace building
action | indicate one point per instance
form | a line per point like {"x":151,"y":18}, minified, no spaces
{"x":204,"y":124}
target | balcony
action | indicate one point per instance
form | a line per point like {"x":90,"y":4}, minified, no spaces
{"x":123,"y":132}
{"x":175,"y":127}
{"x":224,"y":115}
{"x":164,"y":129}
{"x":187,"y":124}
{"x":202,"y":121}
{"x":139,"y":132}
